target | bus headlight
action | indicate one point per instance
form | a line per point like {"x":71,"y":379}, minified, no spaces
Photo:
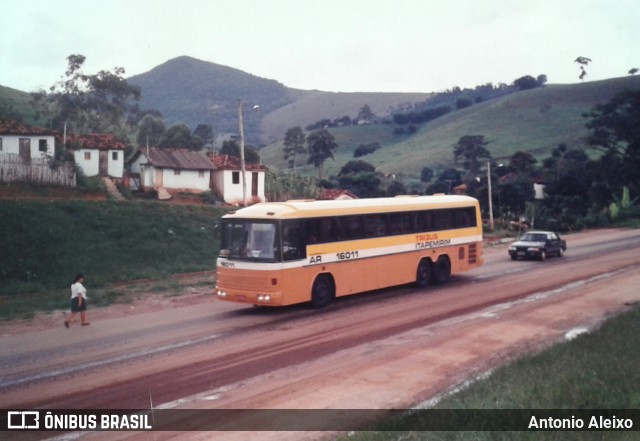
{"x":264,"y":298}
{"x":221,"y":293}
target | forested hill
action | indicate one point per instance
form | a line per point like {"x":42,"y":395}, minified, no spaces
{"x":535,"y":121}
{"x":194,"y":92}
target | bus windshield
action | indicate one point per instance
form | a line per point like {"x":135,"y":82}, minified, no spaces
{"x":249,"y":240}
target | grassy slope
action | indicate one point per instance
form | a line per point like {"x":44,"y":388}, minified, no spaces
{"x":535,"y":120}
{"x":313,"y":106}
{"x":46,"y":243}
{"x":20,"y":102}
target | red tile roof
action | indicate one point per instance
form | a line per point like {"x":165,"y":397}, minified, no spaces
{"x":10,"y":127}
{"x":100,"y":141}
{"x":227,"y":162}
{"x":335,"y":193}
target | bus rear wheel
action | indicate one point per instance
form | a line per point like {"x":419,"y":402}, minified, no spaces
{"x":441,"y":271}
{"x":323,"y":291}
{"x":423,"y":273}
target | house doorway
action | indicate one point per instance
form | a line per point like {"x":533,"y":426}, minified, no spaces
{"x":103,"y":163}
{"x":25,"y":150}
{"x":254,"y":184}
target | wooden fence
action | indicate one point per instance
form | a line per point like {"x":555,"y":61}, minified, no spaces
{"x":42,"y":171}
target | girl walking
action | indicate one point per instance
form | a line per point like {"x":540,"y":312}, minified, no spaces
{"x":78,"y":301}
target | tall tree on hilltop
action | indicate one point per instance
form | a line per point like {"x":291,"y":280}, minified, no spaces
{"x":294,"y":141}
{"x":320,"y":145}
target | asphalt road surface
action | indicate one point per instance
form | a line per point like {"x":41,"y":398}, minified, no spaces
{"x":393,"y":348}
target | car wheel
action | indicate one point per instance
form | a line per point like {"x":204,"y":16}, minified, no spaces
{"x":560,"y":252}
{"x":543,"y":255}
{"x":514,"y":257}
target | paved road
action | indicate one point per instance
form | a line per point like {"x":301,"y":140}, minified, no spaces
{"x":390,"y":348}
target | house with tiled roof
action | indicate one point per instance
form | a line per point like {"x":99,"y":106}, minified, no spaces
{"x":98,"y":154}
{"x":226,"y":180}
{"x":171,"y":170}
{"x":26,"y":142}
{"x":336,"y":194}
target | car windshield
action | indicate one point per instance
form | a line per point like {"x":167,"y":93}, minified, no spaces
{"x":533,"y":237}
{"x":248,"y":240}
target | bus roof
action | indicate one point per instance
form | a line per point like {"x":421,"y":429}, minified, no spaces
{"x":313,"y":208}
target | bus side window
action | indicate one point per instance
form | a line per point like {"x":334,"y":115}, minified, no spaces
{"x":425,"y":221}
{"x":375,"y":225}
{"x":293,"y":244}
{"x":443,"y":219}
{"x":327,"y":233}
{"x":353,"y":227}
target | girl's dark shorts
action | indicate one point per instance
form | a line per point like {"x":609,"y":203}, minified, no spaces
{"x":75,"y":307}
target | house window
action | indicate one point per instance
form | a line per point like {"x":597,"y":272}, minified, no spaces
{"x":87,"y":156}
{"x":0,"y":144}
{"x":114,"y":156}
{"x":42,"y":145}
{"x":235,"y":177}
{"x":176,"y":172}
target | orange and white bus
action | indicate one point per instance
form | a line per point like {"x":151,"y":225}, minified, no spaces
{"x":282,"y":253}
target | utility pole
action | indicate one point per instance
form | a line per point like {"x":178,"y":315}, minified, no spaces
{"x":242,"y":166}
{"x":490,"y":201}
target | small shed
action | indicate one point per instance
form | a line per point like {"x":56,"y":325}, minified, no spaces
{"x":98,"y":154}
{"x":227,"y":183}
{"x":172,"y":169}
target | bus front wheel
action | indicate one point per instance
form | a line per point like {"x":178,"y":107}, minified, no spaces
{"x":322,"y":292}
{"x":423,"y":274}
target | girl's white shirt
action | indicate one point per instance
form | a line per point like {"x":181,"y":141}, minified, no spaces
{"x":78,"y":289}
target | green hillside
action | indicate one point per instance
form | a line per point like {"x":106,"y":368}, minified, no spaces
{"x":15,"y":104}
{"x":314,"y":106}
{"x":194,"y":92}
{"x":534,"y":120}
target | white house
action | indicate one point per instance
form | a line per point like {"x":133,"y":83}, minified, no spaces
{"x":26,"y":141}
{"x":98,"y":154}
{"x":171,"y":169}
{"x":227,"y":181}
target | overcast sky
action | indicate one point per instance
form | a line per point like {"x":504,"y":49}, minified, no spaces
{"x":331,"y":45}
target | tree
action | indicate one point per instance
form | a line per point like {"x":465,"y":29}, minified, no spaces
{"x":231,"y":148}
{"x":205,"y":132}
{"x":426,"y":175}
{"x":522,"y":162}
{"x":320,"y":145}
{"x":365,"y":114}
{"x":294,"y":141}
{"x":616,"y":129}
{"x":88,"y":103}
{"x":150,"y":131}
{"x":471,"y":148}
{"x":526,"y":82}
{"x":582,"y":61}
{"x":180,"y":136}
{"x":357,"y":166}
